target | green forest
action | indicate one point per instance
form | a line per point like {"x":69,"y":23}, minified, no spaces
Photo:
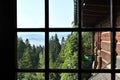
{"x":30,"y":57}
{"x":62,"y":55}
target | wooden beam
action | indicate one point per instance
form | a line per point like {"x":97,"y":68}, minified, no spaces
{"x":94,"y":15}
{"x":97,"y":5}
{"x":96,"y":11}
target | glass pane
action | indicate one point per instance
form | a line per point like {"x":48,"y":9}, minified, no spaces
{"x":30,"y":76}
{"x":96,"y":50}
{"x":117,"y":76}
{"x":96,"y":14}
{"x":63,"y":76}
{"x":96,"y":76}
{"x":117,"y":13}
{"x":30,"y":14}
{"x":30,"y":50}
{"x":63,"y":50}
{"x":61,"y":13}
{"x":117,"y":50}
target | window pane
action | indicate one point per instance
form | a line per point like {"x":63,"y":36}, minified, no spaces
{"x":117,"y":13}
{"x":96,"y":76}
{"x":117,"y":50}
{"x":63,"y":50}
{"x":87,"y":54}
{"x":61,"y":13}
{"x":96,"y":50}
{"x":96,"y":14}
{"x":117,"y":76}
{"x":30,"y":50}
{"x":30,"y":76}
{"x":30,"y":14}
{"x":63,"y":76}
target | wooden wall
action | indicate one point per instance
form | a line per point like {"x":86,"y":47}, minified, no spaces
{"x":118,"y":43}
{"x":102,"y":41}
{"x":102,"y":48}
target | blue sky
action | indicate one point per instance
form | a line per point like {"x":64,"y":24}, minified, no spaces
{"x":31,"y":13}
{"x":61,"y":13}
{"x":38,"y":38}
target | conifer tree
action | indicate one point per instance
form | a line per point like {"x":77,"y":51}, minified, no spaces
{"x":62,"y":41}
{"x":25,"y":61}
{"x":54,"y":49}
{"x":20,"y":48}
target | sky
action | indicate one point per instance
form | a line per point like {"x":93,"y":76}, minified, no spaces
{"x":31,"y":13}
{"x":60,"y":35}
{"x":38,"y":38}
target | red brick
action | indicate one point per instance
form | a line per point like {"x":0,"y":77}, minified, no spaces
{"x":97,"y":39}
{"x":96,"y":36}
{"x":118,"y":49}
{"x":118,"y":45}
{"x":118,"y":36}
{"x":105,"y":36}
{"x":106,"y":56}
{"x":105,"y":46}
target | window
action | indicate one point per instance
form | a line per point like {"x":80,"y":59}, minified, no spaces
{"x":50,"y":52}
{"x":96,"y":14}
{"x":30,"y":14}
{"x":31,"y":50}
{"x":105,"y":36}
{"x":63,"y":50}
{"x":112,"y":29}
{"x":58,"y":10}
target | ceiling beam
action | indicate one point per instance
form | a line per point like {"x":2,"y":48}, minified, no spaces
{"x":95,"y":15}
{"x":96,"y":5}
{"x":96,"y":11}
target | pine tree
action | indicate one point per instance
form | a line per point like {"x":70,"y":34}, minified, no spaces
{"x":34,"y":57}
{"x":54,"y":49}
{"x":42,"y":59}
{"x":62,"y":41}
{"x":30,"y":58}
{"x":70,"y":52}
{"x":20,"y":47}
{"x":25,"y":61}
{"x":27,"y":43}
